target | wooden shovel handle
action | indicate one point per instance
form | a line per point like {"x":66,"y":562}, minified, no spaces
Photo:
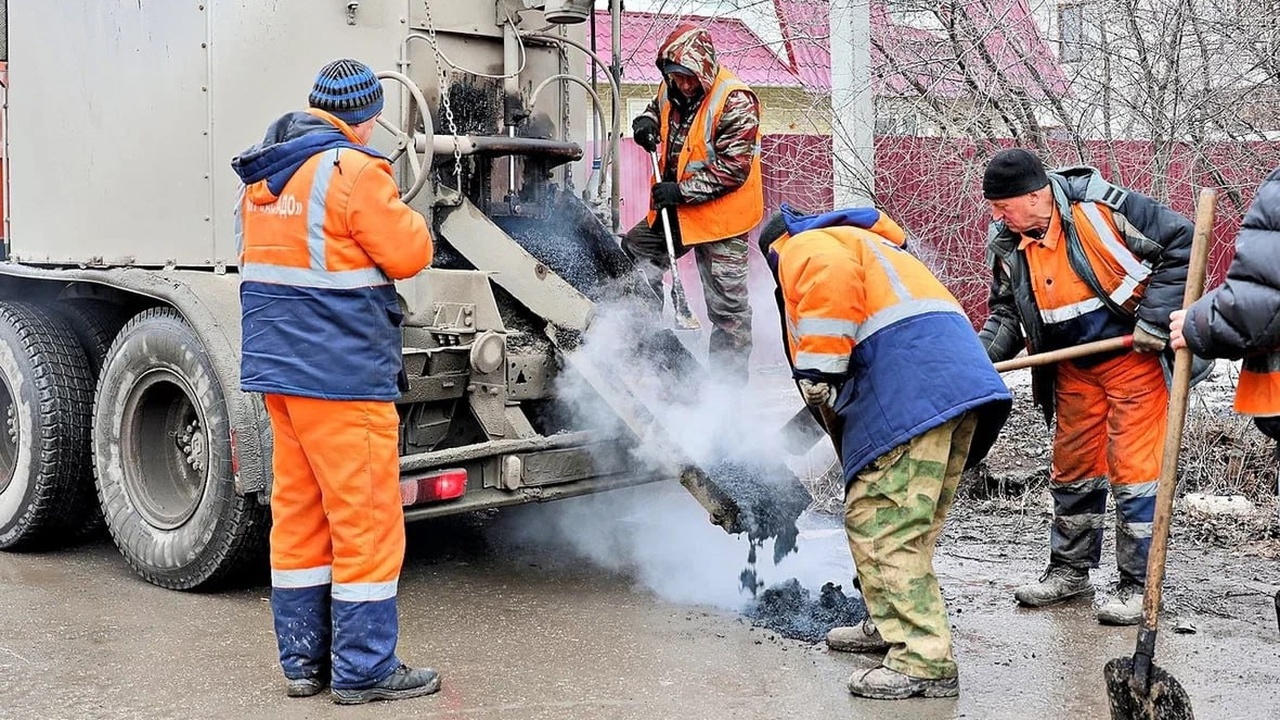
{"x":1177,"y":416}
{"x":1077,"y":351}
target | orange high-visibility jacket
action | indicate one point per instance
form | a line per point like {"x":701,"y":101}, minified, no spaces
{"x":736,"y":212}
{"x":322,"y":234}
{"x":867,"y":316}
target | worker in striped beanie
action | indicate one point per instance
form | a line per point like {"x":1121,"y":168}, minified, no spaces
{"x":348,"y":90}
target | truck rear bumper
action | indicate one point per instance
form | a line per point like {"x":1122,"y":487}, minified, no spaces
{"x":513,"y":472}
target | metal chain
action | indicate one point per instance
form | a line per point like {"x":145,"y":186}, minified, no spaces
{"x":564,"y":107}
{"x":444,"y":96}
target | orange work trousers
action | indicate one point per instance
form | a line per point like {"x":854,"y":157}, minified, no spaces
{"x":1110,"y":435}
{"x":337,"y":537}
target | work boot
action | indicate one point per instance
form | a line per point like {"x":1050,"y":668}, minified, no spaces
{"x":1124,"y":607}
{"x":1058,"y":584}
{"x":884,"y":684}
{"x":304,"y":687}
{"x":861,"y":638}
{"x":402,"y":684}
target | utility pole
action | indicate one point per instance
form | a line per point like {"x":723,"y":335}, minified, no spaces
{"x":852,"y":103}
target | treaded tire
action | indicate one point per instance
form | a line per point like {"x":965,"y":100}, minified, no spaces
{"x":95,"y":324}
{"x":180,"y":526}
{"x":46,"y":377}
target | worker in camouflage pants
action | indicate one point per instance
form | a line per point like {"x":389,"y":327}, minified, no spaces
{"x":894,"y":512}
{"x":704,"y":125}
{"x":885,"y":356}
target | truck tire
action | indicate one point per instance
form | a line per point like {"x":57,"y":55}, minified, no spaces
{"x":95,"y":324}
{"x":46,"y":396}
{"x":162,"y":458}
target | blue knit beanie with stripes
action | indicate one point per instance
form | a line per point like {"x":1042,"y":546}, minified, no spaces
{"x":348,"y":90}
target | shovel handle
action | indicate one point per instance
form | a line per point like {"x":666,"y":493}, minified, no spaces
{"x":1177,"y":416}
{"x":1077,"y":351}
{"x":666,"y":220}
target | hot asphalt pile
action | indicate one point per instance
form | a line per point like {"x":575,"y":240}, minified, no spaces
{"x":771,"y":499}
{"x":791,"y":611}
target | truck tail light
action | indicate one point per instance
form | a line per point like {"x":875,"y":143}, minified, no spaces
{"x":444,"y":485}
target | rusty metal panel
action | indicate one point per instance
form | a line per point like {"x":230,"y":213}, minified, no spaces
{"x":108,"y":132}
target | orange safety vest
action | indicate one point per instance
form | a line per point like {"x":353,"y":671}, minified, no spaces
{"x":1120,"y":274}
{"x":843,"y":284}
{"x":732,"y":214}
{"x":1258,"y":391}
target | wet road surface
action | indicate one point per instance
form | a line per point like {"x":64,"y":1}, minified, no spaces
{"x":566,"y":612}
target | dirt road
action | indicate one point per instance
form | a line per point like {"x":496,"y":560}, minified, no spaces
{"x":535,"y":614}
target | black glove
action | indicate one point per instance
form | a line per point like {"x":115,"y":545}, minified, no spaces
{"x":645,"y":131}
{"x":667,"y":194}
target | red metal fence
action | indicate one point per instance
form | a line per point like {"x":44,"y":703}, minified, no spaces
{"x":932,"y":186}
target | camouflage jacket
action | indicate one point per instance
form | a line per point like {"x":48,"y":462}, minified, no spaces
{"x":735,"y":135}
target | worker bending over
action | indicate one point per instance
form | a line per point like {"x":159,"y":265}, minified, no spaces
{"x":886,"y":352}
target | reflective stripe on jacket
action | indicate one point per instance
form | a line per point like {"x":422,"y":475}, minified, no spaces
{"x":320,"y":315}
{"x":1073,"y":310}
{"x":1151,"y":232}
{"x":864,"y":314}
{"x":736,"y":212}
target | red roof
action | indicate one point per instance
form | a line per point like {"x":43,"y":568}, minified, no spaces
{"x":905,"y":60}
{"x":736,"y":46}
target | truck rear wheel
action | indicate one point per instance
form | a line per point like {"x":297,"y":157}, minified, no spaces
{"x":45,"y":396}
{"x":95,"y":324}
{"x":162,"y":456}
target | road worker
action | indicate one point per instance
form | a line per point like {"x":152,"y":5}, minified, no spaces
{"x":1238,"y":318}
{"x":704,"y":124}
{"x":1077,"y":259}
{"x":885,"y":351}
{"x":323,"y":233}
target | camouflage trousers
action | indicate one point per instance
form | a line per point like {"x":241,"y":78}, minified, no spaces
{"x":722,"y":266}
{"x":894,"y":510}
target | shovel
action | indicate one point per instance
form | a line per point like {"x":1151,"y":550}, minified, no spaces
{"x":685,"y":319}
{"x":801,"y":432}
{"x":1137,"y":687}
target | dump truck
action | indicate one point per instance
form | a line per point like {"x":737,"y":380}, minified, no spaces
{"x":119,"y":307}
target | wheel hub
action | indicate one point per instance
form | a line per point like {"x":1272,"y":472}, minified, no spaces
{"x":9,"y":438}
{"x":165,"y":474}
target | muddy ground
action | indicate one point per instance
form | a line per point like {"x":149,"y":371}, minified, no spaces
{"x":629,"y":606}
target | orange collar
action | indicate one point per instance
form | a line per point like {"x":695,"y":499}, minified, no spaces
{"x":1051,"y":235}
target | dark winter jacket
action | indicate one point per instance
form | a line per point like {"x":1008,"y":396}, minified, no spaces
{"x":1158,"y":236}
{"x":1241,"y":317}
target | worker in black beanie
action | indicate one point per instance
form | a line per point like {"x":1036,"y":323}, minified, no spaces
{"x":1077,"y":259}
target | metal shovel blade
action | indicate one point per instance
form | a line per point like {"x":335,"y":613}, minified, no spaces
{"x":1163,"y":699}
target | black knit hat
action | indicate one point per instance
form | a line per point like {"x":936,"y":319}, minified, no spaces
{"x":1012,"y":173}
{"x":348,"y":90}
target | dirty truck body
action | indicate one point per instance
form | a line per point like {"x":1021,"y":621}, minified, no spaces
{"x":119,"y":309}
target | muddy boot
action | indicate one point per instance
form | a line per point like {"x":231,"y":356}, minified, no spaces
{"x":1058,"y":584}
{"x":862,"y":638}
{"x":884,"y":684}
{"x":304,"y":687}
{"x":402,"y":684}
{"x":1124,"y":607}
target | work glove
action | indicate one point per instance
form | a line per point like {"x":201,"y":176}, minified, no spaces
{"x":815,"y":393}
{"x":645,"y":130}
{"x":667,"y":194}
{"x":1146,"y":342}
